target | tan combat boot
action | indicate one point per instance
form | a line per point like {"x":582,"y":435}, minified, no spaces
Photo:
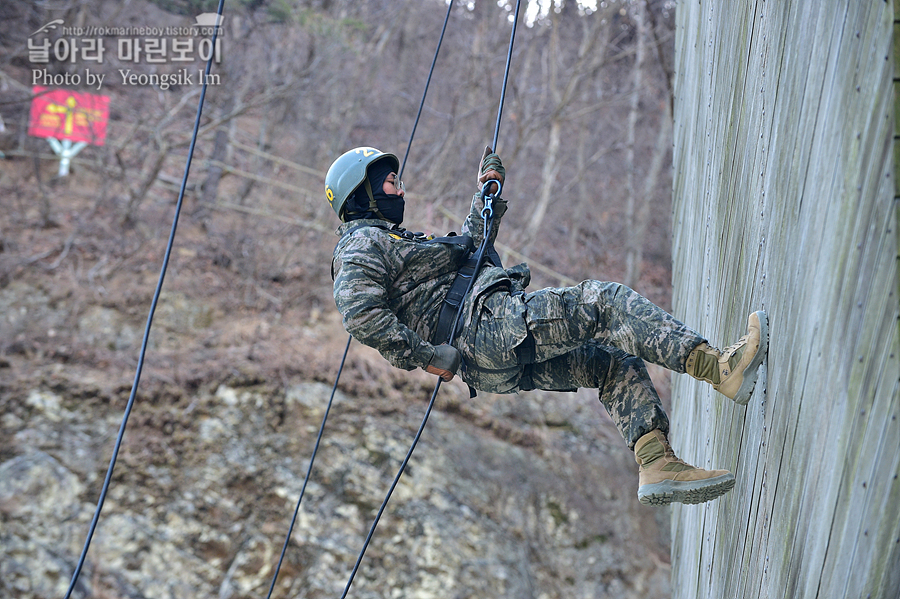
{"x":665,"y":479}
{"x":733,"y":372}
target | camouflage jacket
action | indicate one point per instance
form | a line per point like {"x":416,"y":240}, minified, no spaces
{"x":389,"y":285}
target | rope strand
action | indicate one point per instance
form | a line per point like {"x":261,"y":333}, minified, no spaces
{"x":312,"y":460}
{"x":156,"y":294}
{"x":393,"y":486}
{"x":512,"y":39}
{"x":425,"y":93}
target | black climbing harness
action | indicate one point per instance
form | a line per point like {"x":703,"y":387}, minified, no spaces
{"x":451,"y":314}
{"x":445,"y":331}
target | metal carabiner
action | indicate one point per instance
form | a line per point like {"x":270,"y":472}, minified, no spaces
{"x":489,"y":198}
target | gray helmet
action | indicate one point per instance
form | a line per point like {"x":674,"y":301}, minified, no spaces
{"x":348,"y":172}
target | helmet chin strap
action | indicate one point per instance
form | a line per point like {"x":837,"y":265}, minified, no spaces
{"x":373,"y":206}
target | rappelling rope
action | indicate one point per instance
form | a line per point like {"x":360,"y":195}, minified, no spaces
{"x":312,"y":459}
{"x":512,"y":39}
{"x":487,"y":215}
{"x":425,"y":93}
{"x":350,"y":337}
{"x":156,"y":294}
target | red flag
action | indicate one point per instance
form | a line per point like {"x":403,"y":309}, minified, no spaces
{"x":65,"y":114}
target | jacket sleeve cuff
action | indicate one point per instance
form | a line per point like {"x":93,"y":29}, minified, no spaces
{"x":423,"y":354}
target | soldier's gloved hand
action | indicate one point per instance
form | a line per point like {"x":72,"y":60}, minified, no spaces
{"x":445,"y":362}
{"x":491,"y":168}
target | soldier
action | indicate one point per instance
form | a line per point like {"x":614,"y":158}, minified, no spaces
{"x":389,"y":286}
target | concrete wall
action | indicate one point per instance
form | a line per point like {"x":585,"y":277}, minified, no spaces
{"x":784,"y":199}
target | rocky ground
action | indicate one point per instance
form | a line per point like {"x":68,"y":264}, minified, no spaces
{"x":531,"y":495}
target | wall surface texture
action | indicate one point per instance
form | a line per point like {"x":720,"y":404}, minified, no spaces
{"x":785,"y":200}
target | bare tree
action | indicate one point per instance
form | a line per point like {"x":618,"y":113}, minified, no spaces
{"x":638,"y":206}
{"x":590,"y":57}
{"x":632,"y":266}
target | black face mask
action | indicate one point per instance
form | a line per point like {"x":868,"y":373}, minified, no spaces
{"x":390,"y":205}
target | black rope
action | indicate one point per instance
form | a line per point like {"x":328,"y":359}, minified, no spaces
{"x":350,"y":337}
{"x":393,"y":485}
{"x":309,"y":469}
{"x":156,"y":294}
{"x":425,"y":93}
{"x":512,"y":39}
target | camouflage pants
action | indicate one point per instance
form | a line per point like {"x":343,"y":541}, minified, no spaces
{"x":594,"y":335}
